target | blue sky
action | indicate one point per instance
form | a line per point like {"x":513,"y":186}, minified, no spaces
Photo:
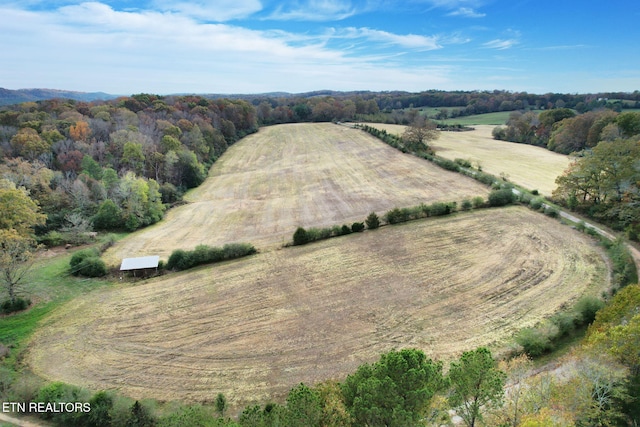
{"x":255,"y":46}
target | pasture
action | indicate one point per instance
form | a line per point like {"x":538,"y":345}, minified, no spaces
{"x":254,"y":328}
{"x":525,"y":165}
{"x":286,"y":176}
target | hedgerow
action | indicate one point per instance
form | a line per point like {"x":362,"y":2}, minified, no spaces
{"x":203,"y":254}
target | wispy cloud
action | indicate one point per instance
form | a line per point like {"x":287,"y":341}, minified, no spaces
{"x":408,"y":41}
{"x":161,"y":51}
{"x":500,"y":44}
{"x":217,"y":11}
{"x":467,"y":12}
{"x":314,"y":10}
{"x":561,"y":47}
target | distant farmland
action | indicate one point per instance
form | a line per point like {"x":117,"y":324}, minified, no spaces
{"x":286,"y":176}
{"x":532,"y":167}
{"x":256,"y":327}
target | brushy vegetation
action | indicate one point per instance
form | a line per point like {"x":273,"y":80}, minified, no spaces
{"x":543,"y":338}
{"x":370,"y":396}
{"x":87,"y":263}
{"x":203,"y":254}
{"x":303,"y":236}
{"x":501,"y":197}
{"x":18,"y":305}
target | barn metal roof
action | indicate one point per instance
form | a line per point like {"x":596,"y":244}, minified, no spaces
{"x":139,"y":263}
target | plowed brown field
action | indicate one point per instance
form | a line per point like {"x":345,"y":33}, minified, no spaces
{"x":282,"y":177}
{"x":254,"y":328}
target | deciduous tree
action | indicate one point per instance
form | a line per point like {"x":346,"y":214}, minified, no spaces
{"x":419,"y":133}
{"x":476,"y":384}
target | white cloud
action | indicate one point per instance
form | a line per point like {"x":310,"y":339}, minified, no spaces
{"x":500,"y":44}
{"x":315,"y":10}
{"x":207,"y":10}
{"x":467,"y":12}
{"x":91,"y":46}
{"x":409,"y":41}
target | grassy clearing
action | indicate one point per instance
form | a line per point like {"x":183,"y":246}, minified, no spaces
{"x":283,"y":177}
{"x":525,"y":165}
{"x":48,"y":286}
{"x":493,"y":119}
{"x":254,"y":328}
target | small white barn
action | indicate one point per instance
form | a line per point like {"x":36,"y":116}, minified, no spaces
{"x":143,"y":264}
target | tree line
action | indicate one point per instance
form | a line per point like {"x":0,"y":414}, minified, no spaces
{"x":603,"y":181}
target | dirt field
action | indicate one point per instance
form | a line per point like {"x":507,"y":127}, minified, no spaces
{"x":269,"y":183}
{"x":526,"y":165}
{"x":254,"y":328}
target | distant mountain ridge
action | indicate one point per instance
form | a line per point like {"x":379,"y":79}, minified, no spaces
{"x":9,"y":96}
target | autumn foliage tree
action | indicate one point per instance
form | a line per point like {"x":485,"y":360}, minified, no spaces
{"x":18,"y":215}
{"x":419,"y":133}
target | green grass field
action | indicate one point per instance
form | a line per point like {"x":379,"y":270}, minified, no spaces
{"x":499,"y":118}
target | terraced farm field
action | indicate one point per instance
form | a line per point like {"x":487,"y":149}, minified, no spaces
{"x":256,"y":327}
{"x":286,"y":176}
{"x":526,"y":165}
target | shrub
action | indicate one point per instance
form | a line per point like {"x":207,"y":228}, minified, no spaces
{"x":586,"y":309}
{"x":477,"y":202}
{"x":238,"y":250}
{"x":325,"y":233}
{"x":484,"y":178}
{"x":501,"y":197}
{"x":372,"y":221}
{"x":18,"y":304}
{"x":203,"y":254}
{"x":87,"y":263}
{"x":357,"y":227}
{"x":169,"y":193}
{"x":77,"y":257}
{"x":565,"y":322}
{"x":439,"y":209}
{"x":60,"y":392}
{"x":466,"y":205}
{"x":535,"y":203}
{"x":300,"y":237}
{"x":345,"y":230}
{"x":179,"y":260}
{"x":52,"y":238}
{"x":108,"y":241}
{"x":446,"y":164}
{"x":394,"y":216}
{"x":525,"y":198}
{"x":535,"y":341}
{"x":552,"y":212}
{"x":200,"y":255}
{"x":91,"y":267}
{"x":463,"y":162}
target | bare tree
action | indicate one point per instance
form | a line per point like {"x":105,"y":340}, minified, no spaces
{"x":421,"y":131}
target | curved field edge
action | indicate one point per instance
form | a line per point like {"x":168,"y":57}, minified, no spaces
{"x":286,"y":176}
{"x":531,"y":167}
{"x":254,"y":328}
